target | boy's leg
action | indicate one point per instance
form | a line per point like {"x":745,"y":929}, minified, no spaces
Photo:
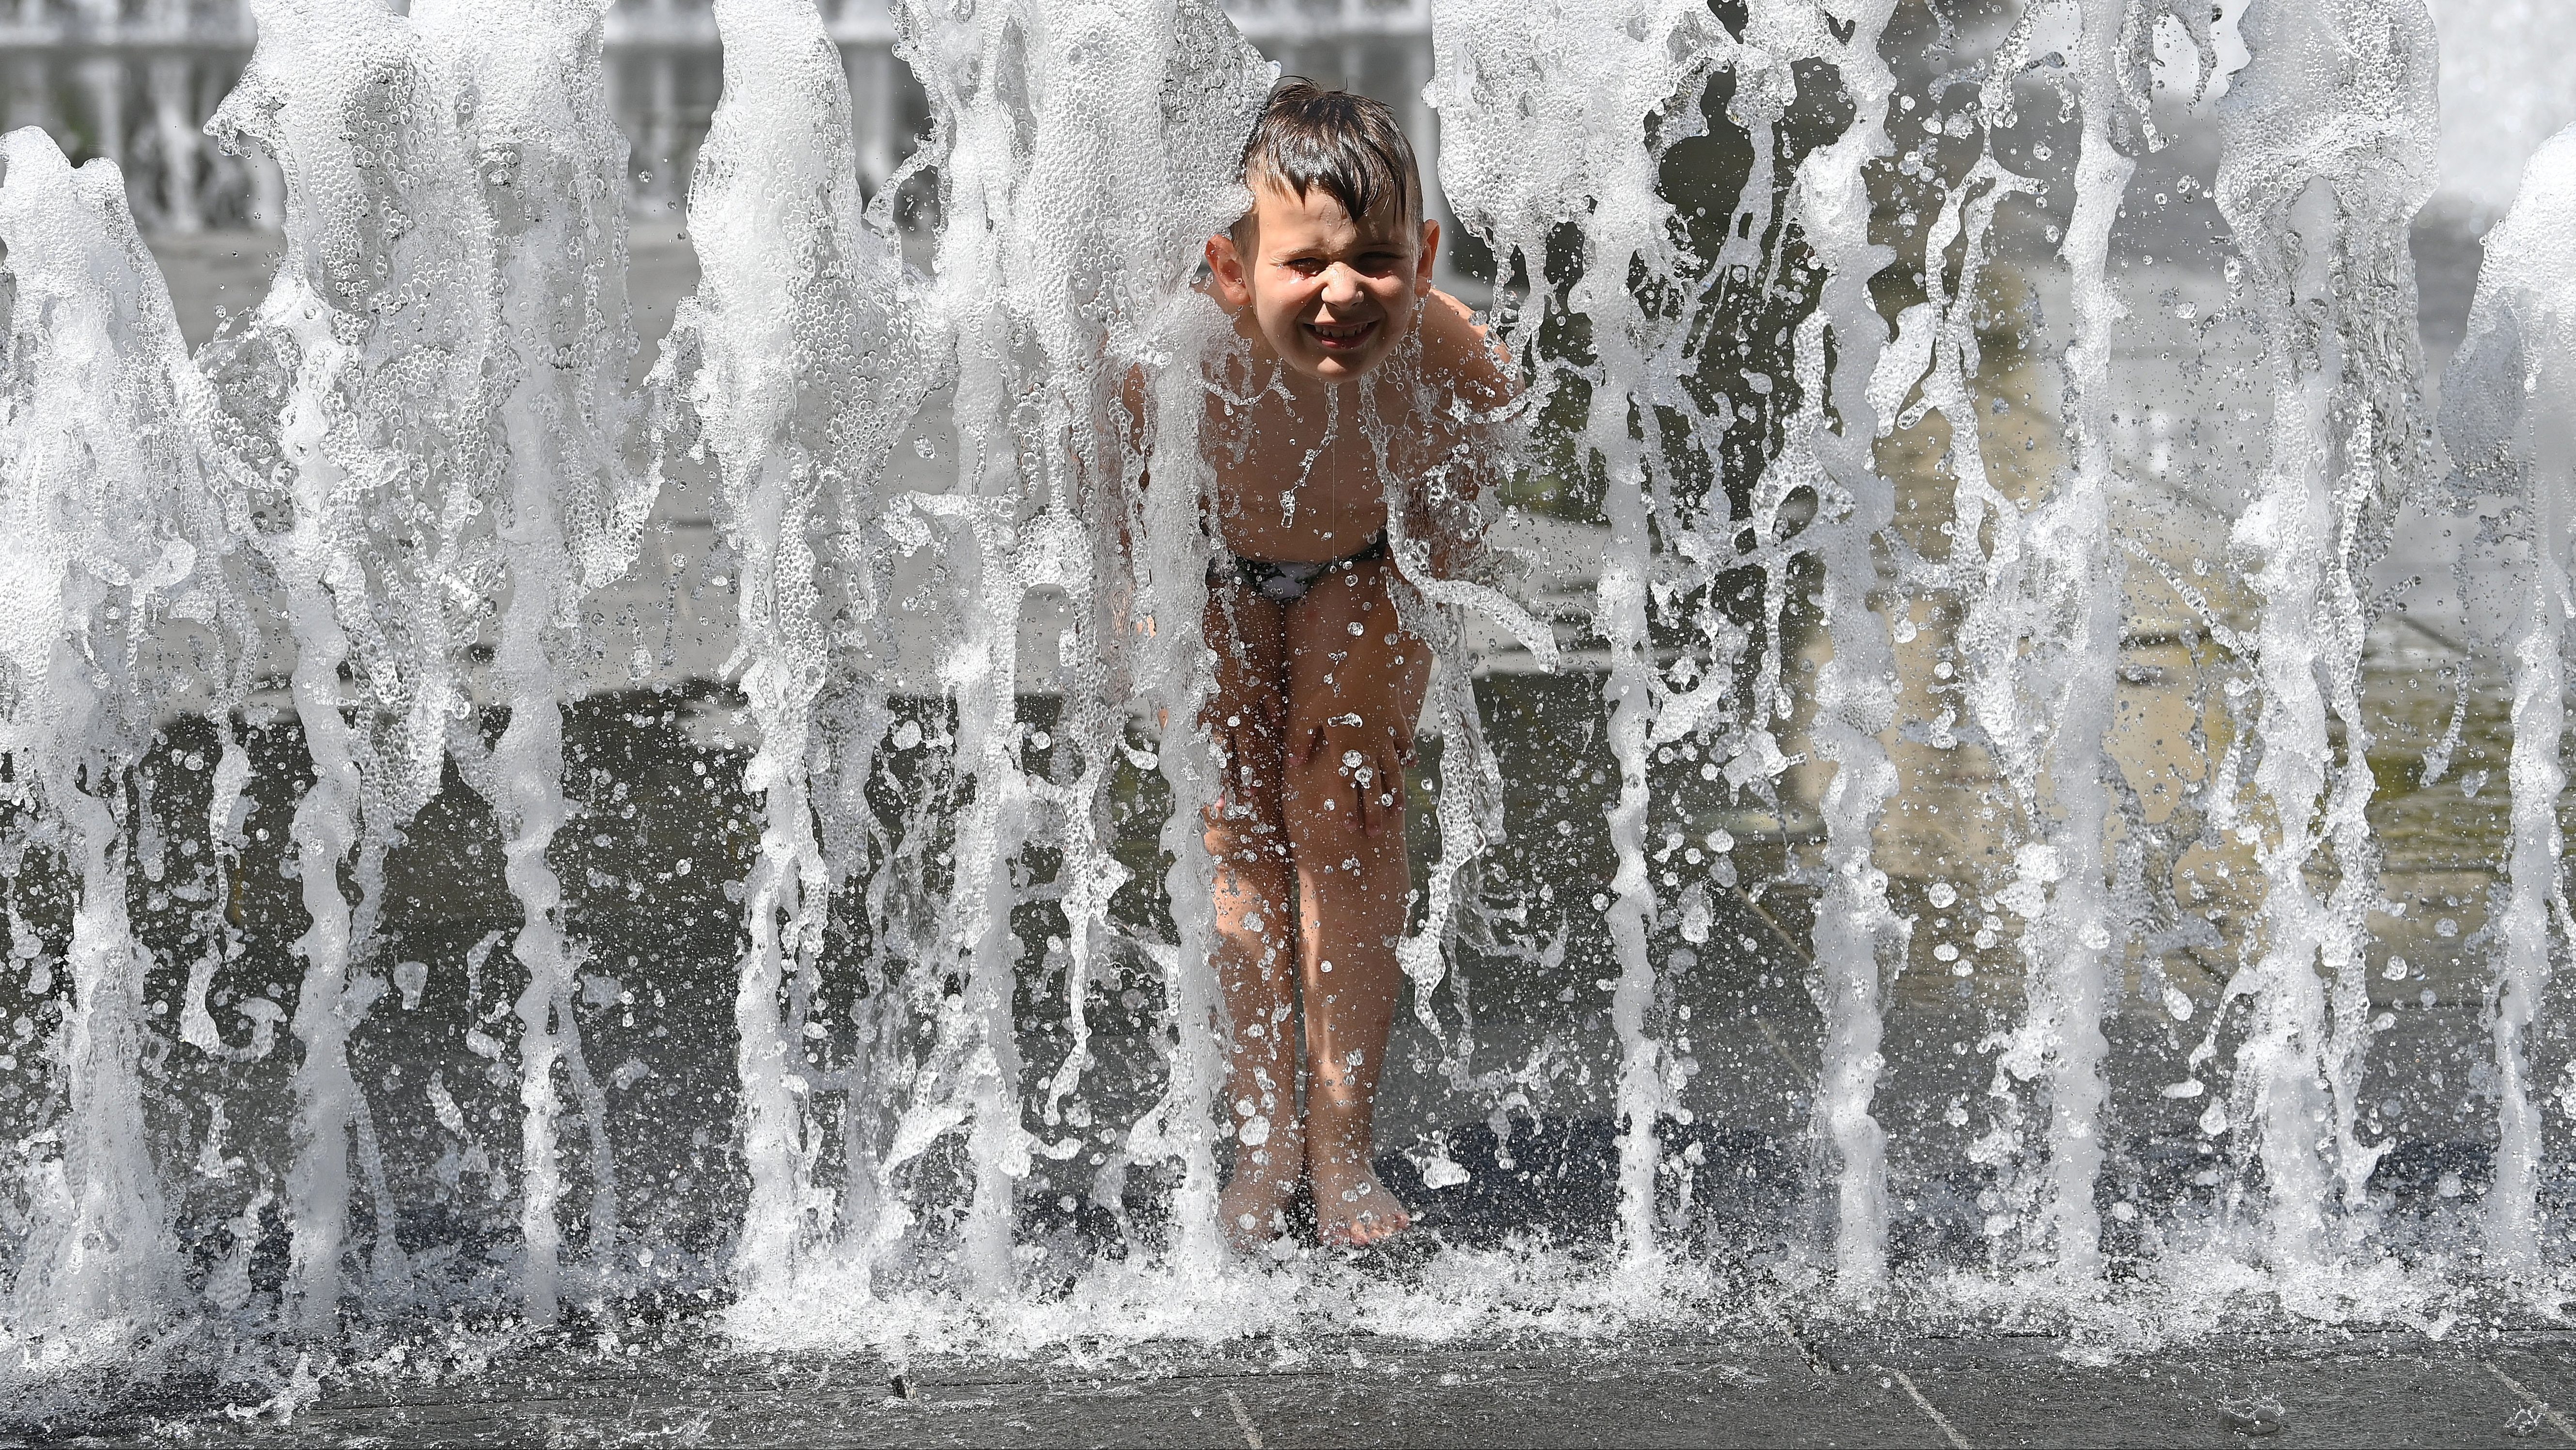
{"x":1256,"y":928}
{"x":1351,"y":896}
{"x":1353,"y":698}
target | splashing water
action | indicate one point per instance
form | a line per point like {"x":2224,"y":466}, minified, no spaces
{"x":379,"y":302}
{"x":2504,"y":418}
{"x":117,"y":500}
{"x":563,"y":513}
{"x":1597,"y":79}
{"x":788,"y":371}
{"x":2327,"y":161}
{"x":2044,"y":609}
{"x":1791,"y":728}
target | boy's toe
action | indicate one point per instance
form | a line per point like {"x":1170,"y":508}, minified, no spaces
{"x":1372,"y":1228}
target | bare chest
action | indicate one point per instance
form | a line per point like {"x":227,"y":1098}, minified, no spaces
{"x":1294,"y":487}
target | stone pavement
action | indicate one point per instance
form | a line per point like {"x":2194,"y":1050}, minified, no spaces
{"x":2312,"y":1388}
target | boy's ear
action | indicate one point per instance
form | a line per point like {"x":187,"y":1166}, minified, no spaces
{"x":1225,"y":263}
{"x":1430,"y":257}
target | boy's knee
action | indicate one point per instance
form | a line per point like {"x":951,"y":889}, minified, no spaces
{"x":1247,"y":834}
{"x":1251,"y":853}
{"x":1250,"y":887}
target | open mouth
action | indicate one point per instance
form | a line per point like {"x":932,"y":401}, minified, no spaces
{"x":1342,"y":336}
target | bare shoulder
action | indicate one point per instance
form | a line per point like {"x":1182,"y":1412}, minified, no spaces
{"x":1464,"y":356}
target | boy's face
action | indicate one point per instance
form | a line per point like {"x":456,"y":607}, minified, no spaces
{"x":1333,"y":296}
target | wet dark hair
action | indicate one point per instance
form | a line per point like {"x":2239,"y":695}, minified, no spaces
{"x":1347,"y":144}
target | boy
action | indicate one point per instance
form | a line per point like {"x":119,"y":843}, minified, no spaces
{"x":1357,"y":368}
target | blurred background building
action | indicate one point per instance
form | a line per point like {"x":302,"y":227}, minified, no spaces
{"x":135,"y":80}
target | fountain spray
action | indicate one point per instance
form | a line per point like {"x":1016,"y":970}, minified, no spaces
{"x":380,"y":300}
{"x":564,"y":514}
{"x":1079,"y":181}
{"x":2327,"y":159}
{"x":2506,"y":408}
{"x":1607,"y":91}
{"x":121,"y":496}
{"x":791,"y":369}
{"x":1858,"y":937}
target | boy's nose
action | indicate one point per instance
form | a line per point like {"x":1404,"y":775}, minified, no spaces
{"x":1341,"y":286}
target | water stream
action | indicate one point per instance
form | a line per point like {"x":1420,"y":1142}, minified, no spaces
{"x":1921,"y":807}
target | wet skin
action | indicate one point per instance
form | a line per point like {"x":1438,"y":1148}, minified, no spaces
{"x":1317,"y":698}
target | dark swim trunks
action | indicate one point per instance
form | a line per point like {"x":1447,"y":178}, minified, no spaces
{"x":1286,"y":583}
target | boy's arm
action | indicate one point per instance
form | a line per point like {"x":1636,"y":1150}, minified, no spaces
{"x":1462,"y":364}
{"x":1453,"y":343}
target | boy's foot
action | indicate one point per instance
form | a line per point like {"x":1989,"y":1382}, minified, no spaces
{"x":1254,"y":1213}
{"x":1352,"y":1209}
{"x":1254,"y":1204}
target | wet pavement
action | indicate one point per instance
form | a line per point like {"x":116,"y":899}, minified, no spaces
{"x":1781,"y":1388}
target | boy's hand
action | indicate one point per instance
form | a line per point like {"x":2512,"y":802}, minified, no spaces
{"x":1355,"y":683}
{"x":1246,"y":714}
